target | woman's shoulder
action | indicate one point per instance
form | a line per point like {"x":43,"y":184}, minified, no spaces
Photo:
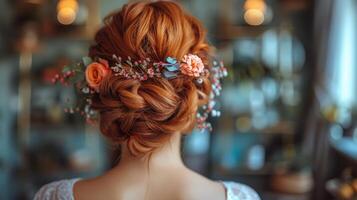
{"x":238,"y":191}
{"x":62,"y":189}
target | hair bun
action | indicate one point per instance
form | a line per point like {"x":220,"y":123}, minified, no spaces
{"x":144,"y":114}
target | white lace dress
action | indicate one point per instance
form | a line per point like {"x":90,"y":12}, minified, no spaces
{"x":63,"y":190}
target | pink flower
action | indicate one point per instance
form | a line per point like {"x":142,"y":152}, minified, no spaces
{"x":151,"y":72}
{"x":96,"y":72}
{"x":192,"y":65}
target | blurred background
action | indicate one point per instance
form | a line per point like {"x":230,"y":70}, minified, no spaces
{"x":289,"y":108}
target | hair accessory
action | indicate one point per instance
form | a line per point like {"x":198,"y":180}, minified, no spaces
{"x":191,"y":65}
{"x":87,"y":76}
{"x":218,"y":71}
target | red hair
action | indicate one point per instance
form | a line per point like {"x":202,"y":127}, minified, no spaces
{"x":144,"y":114}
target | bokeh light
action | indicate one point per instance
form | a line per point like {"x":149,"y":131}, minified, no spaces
{"x":67,"y":11}
{"x":254,"y":13}
{"x":254,"y":17}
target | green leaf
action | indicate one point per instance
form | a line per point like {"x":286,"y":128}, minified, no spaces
{"x":67,"y":68}
{"x":81,"y":66}
{"x":87,"y":60}
{"x":76,"y":78}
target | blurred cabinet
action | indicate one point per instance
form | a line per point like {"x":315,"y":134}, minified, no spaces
{"x":265,"y":99}
{"x":7,"y":133}
{"x":56,"y":145}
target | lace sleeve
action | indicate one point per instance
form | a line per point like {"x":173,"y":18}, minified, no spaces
{"x":58,"y":190}
{"x":237,"y":191}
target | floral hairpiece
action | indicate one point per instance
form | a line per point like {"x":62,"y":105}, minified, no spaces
{"x":191,"y":65}
{"x":88,"y":75}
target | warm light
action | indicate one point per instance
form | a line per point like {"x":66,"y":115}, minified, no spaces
{"x":67,"y":4}
{"x":67,"y":11}
{"x":255,"y":4}
{"x":254,"y":17}
{"x":254,"y":12}
{"x":66,"y":16}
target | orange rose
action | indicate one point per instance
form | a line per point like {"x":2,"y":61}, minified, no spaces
{"x":96,"y":72}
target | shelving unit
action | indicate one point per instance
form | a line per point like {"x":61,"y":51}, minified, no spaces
{"x":245,"y":101}
{"x":8,"y":154}
{"x":57,"y":145}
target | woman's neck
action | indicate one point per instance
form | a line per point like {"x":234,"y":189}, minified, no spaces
{"x":169,"y":155}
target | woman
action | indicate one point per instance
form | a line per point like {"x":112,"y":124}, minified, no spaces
{"x":152,"y":80}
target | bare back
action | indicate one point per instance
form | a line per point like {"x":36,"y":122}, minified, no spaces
{"x":160,"y":184}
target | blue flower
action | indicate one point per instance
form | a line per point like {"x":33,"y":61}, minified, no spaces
{"x":172,"y":67}
{"x":169,"y":75}
{"x":171,"y":60}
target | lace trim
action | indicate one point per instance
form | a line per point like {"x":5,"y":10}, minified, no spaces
{"x":58,"y":190}
{"x":237,"y":191}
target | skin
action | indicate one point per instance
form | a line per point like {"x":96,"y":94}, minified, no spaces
{"x":163,"y":177}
